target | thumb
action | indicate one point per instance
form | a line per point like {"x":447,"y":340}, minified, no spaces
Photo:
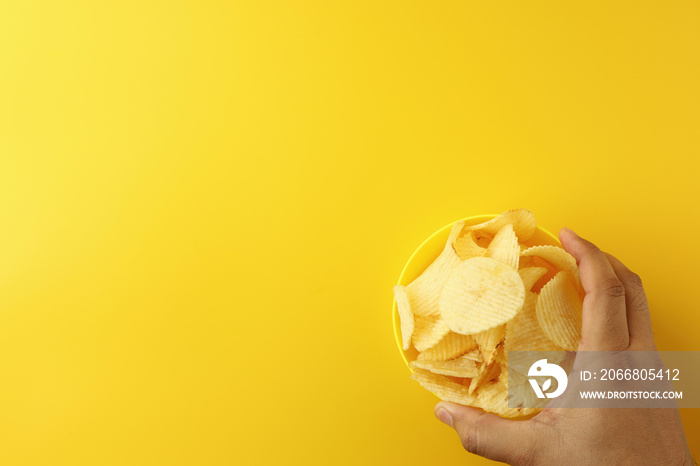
{"x":489,"y":435}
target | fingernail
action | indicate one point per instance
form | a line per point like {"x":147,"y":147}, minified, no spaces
{"x":444,"y":416}
{"x":570,"y":231}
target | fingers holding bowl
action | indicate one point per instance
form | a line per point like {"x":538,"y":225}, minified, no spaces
{"x":604,"y":315}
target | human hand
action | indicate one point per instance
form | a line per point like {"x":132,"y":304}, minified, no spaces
{"x":615,"y":318}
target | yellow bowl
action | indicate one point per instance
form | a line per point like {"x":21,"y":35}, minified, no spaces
{"x":426,"y":254}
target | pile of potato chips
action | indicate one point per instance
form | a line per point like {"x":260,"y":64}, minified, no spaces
{"x":486,"y":294}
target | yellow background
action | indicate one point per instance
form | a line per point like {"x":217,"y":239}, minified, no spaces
{"x":204,"y":205}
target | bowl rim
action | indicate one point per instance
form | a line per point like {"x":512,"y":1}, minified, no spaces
{"x":471,"y":220}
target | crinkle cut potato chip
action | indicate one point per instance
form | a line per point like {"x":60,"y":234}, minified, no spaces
{"x":501,"y":356}
{"x":405,"y":315}
{"x":530,"y":275}
{"x":451,"y":346}
{"x":522,"y":220}
{"x":524,"y":333}
{"x":493,"y":397}
{"x":428,"y":332}
{"x":488,"y":342}
{"x":504,"y":247}
{"x":424,"y":291}
{"x":474,"y":355}
{"x":534,"y":261}
{"x":559,"y":258}
{"x":466,"y":247}
{"x":559,"y":311}
{"x":460,"y":367}
{"x":487,"y":372}
{"x":482,"y":239}
{"x":444,"y":388}
{"x":485,"y":301}
{"x":521,"y":394}
{"x":481,"y":293}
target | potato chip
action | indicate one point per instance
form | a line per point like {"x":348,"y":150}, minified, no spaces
{"x":460,"y":367}
{"x":480,"y":294}
{"x":466,"y":247}
{"x":455,"y":231}
{"x":523,"y":222}
{"x":558,"y":257}
{"x":492,"y":394}
{"x":487,"y":372}
{"x":493,"y":397}
{"x":515,"y":379}
{"x":501,"y":356}
{"x":474,"y":355}
{"x":504,"y":247}
{"x":424,"y":291}
{"x":405,"y":315}
{"x":558,"y":311}
{"x":534,"y":261}
{"x":503,"y":375}
{"x":488,"y":341}
{"x":451,"y":346}
{"x":520,"y":393}
{"x":530,"y":275}
{"x":429,"y":330}
{"x":524,"y":332}
{"x":444,"y":388}
{"x":481,"y":238}
{"x":530,"y":261}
